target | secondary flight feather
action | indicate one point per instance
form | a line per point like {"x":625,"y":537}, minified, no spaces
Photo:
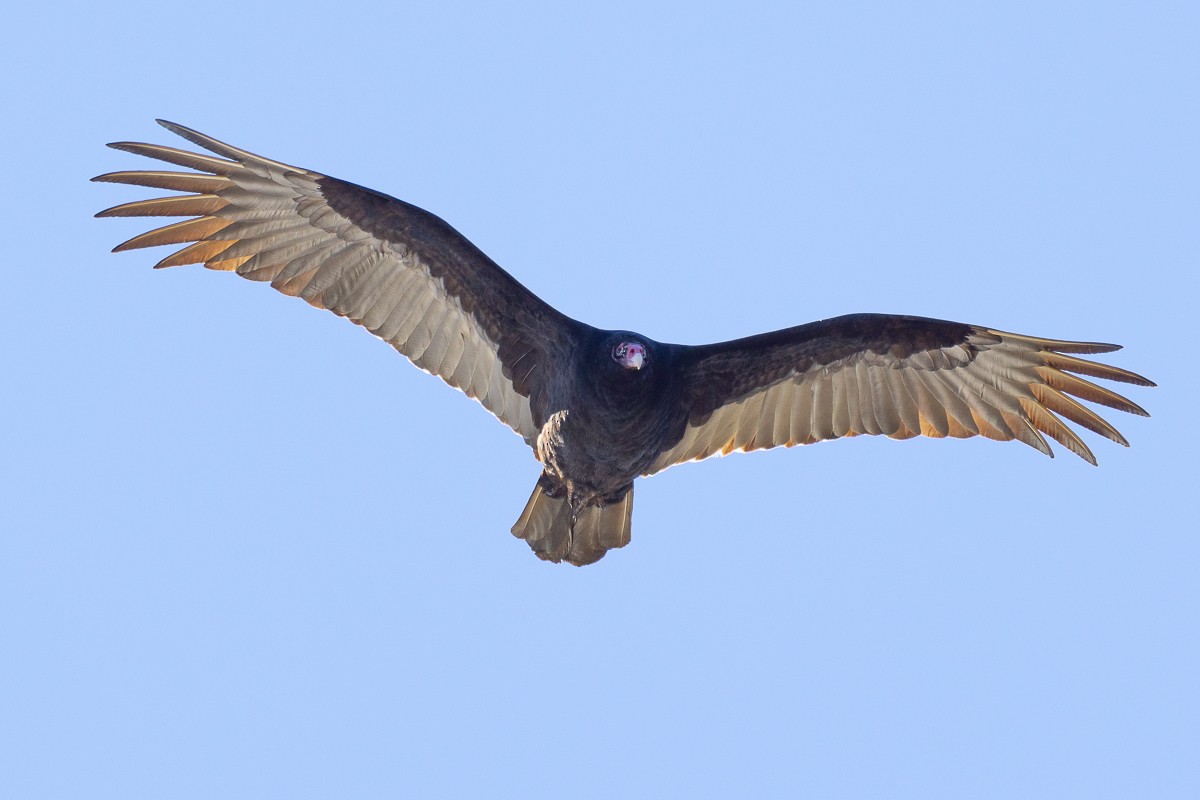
{"x":600,"y":408}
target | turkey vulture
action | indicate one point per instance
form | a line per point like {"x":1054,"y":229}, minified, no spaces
{"x":599,"y":408}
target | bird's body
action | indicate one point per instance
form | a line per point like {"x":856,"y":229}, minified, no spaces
{"x":601,"y":408}
{"x":611,"y":421}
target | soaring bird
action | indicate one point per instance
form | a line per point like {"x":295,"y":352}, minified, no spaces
{"x":601,"y":407}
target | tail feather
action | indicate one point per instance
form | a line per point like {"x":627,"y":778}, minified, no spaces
{"x":546,"y":525}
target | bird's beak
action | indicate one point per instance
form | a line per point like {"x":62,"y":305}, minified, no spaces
{"x":635,"y":356}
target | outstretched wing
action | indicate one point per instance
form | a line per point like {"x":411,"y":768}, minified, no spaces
{"x":892,"y":375}
{"x":400,"y":272}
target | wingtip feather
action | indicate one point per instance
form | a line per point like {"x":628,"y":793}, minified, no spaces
{"x":175,"y":127}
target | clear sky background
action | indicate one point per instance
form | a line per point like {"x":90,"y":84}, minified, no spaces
{"x":247,"y":551}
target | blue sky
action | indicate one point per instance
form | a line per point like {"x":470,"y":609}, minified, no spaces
{"x":248,"y":551}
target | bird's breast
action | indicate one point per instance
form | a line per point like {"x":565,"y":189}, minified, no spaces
{"x":598,"y":453}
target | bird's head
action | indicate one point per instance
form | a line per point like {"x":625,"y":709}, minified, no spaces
{"x":630,"y":353}
{"x":621,"y":364}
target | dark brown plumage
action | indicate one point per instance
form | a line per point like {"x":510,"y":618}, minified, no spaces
{"x":599,"y":408}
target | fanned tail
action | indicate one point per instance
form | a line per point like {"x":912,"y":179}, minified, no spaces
{"x":546,"y":525}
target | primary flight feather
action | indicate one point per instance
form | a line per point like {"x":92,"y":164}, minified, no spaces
{"x":599,"y":408}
